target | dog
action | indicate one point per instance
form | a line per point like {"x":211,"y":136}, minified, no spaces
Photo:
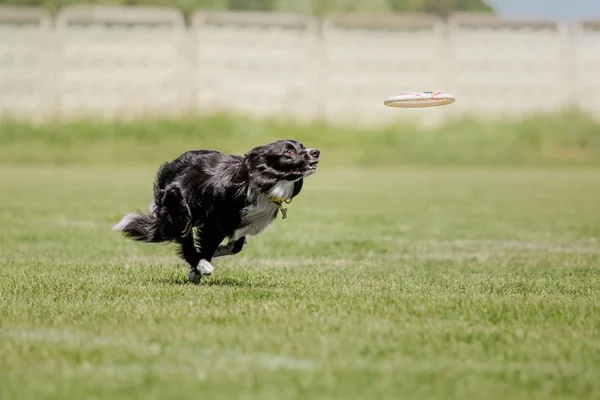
{"x":204,"y":196}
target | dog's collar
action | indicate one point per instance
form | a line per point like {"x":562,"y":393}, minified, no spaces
{"x":279,"y":202}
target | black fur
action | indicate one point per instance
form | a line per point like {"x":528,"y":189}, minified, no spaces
{"x":204,"y":196}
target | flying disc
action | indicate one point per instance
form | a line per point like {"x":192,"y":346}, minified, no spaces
{"x":421,"y":99}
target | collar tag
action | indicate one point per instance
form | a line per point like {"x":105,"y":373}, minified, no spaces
{"x":279,"y":203}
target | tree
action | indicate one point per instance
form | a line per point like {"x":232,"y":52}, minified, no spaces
{"x":315,"y":7}
{"x":320,"y":7}
{"x":262,"y":5}
{"x":440,"y":7}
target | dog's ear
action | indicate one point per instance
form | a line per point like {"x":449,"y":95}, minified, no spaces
{"x":297,"y":187}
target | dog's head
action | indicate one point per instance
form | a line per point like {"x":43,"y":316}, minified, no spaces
{"x":285,"y":160}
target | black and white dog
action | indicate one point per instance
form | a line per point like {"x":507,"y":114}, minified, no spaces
{"x":220,"y":196}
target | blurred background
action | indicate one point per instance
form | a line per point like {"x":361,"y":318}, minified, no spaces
{"x":442,"y":252}
{"x":233,"y":73}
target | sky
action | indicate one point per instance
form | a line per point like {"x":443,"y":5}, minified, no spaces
{"x":566,"y":11}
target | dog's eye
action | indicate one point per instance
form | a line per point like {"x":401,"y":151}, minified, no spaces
{"x":290,"y":152}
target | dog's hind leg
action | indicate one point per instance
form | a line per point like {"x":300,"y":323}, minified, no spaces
{"x":230,"y":248}
{"x":173,"y":213}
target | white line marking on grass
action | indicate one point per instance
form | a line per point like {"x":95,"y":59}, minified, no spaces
{"x":441,"y":250}
{"x":272,"y":362}
{"x":209,"y":358}
{"x":65,"y":336}
{"x":490,"y":245}
{"x":70,"y":223}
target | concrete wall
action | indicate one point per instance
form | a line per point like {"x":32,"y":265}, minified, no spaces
{"x":120,"y":62}
{"x":506,"y":68}
{"x":128,"y":62}
{"x":26,"y":62}
{"x":261,"y":64}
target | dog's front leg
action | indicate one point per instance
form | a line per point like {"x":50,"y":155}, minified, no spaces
{"x":187,"y":251}
{"x":230,"y":248}
{"x":207,"y":241}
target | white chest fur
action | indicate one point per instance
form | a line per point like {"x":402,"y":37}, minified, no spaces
{"x":261,"y":212}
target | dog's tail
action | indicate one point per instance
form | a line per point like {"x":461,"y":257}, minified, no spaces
{"x":140,"y":227}
{"x":169,"y":219}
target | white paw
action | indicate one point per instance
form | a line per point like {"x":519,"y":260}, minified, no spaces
{"x":205,"y":268}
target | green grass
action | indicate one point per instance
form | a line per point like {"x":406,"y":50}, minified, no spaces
{"x":416,"y":283}
{"x":566,"y":139}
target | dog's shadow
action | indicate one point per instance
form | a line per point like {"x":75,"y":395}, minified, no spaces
{"x":224,"y":281}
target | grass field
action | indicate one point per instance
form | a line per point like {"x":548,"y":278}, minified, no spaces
{"x":416,"y":283}
{"x":564,"y":139}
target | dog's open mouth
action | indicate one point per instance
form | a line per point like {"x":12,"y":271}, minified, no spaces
{"x":308,"y":169}
{"x":312,"y":166}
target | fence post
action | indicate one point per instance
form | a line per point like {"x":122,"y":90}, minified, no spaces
{"x":586,"y":66}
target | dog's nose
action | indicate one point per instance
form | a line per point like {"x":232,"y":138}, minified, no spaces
{"x":315,"y":153}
